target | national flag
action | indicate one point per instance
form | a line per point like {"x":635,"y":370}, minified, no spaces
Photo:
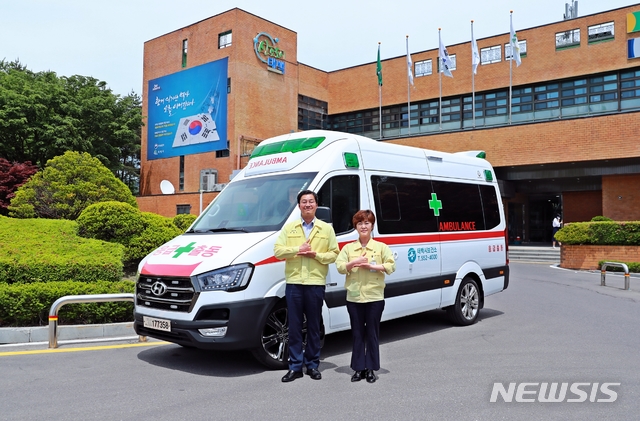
{"x":409,"y":68}
{"x":475,"y":56}
{"x":445,"y":61}
{"x":379,"y":68}
{"x":515,"y":47}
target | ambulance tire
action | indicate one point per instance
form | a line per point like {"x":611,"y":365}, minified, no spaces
{"x":465,"y":310}
{"x":273,"y":351}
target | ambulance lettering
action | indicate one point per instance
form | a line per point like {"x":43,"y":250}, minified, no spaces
{"x":269,"y":161}
{"x":191,"y":249}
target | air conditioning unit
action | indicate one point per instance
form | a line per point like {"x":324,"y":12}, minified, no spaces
{"x":218,"y":186}
{"x":208,"y":181}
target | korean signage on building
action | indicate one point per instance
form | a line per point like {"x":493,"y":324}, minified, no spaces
{"x":268,"y":52}
{"x":188,"y":111}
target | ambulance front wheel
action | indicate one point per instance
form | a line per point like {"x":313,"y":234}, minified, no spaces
{"x":465,"y":310}
{"x":273,"y":351}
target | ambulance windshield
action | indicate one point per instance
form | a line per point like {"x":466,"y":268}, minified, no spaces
{"x":254,"y":204}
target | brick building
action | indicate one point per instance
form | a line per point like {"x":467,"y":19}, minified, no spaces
{"x":563,"y":136}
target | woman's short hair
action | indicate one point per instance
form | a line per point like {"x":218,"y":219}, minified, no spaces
{"x":363,"y":215}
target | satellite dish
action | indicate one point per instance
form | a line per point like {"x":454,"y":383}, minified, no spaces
{"x":166,"y":187}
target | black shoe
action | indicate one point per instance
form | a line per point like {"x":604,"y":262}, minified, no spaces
{"x":314,"y":373}
{"x":291,"y":376}
{"x":371,"y":376}
{"x":358,"y":375}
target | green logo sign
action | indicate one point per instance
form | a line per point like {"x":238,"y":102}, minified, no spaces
{"x":267,"y":52}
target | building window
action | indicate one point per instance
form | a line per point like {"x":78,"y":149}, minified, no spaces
{"x":312,"y":113}
{"x":181,"y":183}
{"x":429,"y":112}
{"x":523,"y":50}
{"x":183,"y":209}
{"x":208,"y":178}
{"x":228,"y":85}
{"x":184,"y":53}
{"x":423,"y":68}
{"x":224,"y":39}
{"x":452,"y":57}
{"x":630,"y":89}
{"x":567,"y":39}
{"x":223,"y":153}
{"x":491,"y":55}
{"x":601,"y":32}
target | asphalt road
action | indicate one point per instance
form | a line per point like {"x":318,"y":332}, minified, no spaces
{"x":549,"y":326}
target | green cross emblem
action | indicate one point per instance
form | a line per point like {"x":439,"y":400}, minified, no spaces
{"x":435,"y":204}
{"x":185,"y":249}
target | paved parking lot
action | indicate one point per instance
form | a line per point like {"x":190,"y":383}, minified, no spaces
{"x":550,"y":326}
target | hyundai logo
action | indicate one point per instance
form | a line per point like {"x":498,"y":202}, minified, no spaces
{"x":158,"y":288}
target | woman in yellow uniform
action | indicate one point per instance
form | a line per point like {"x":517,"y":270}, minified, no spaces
{"x":365,"y":262}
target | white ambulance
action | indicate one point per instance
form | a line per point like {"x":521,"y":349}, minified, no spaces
{"x":219,"y":286}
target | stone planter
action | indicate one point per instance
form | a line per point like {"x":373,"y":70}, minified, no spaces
{"x":587,"y":257}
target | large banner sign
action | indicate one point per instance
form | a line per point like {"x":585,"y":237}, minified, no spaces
{"x":188,"y":111}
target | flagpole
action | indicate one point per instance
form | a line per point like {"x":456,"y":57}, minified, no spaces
{"x":440,"y":83}
{"x":510,"y":64}
{"x":379,"y":67}
{"x":473,"y":81}
{"x":408,"y":91}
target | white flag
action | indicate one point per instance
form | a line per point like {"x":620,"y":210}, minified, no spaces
{"x":409,"y":68}
{"x":515,"y":47}
{"x":475,"y":56}
{"x":445,"y":61}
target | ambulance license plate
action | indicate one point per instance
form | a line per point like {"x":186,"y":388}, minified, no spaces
{"x":157,"y":324}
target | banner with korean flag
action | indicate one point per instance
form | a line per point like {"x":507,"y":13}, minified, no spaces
{"x":187,"y":111}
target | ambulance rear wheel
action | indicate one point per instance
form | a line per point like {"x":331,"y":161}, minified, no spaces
{"x":465,"y":310}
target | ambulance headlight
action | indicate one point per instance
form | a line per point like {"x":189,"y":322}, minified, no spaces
{"x":231,"y":278}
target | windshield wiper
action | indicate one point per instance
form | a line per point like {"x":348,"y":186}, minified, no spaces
{"x":220,"y":230}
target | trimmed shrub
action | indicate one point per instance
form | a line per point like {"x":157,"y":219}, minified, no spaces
{"x":66,"y":186}
{"x":600,"y":219}
{"x":183,"y":221}
{"x":44,"y":250}
{"x":600,"y":233}
{"x":29,"y":304}
{"x":110,"y":221}
{"x":158,"y":230}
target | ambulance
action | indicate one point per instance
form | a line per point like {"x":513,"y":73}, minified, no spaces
{"x":219,"y":286}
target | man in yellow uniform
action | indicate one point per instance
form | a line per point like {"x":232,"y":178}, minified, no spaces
{"x":308,"y":245}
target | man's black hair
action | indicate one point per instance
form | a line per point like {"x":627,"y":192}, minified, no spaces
{"x":304,"y":192}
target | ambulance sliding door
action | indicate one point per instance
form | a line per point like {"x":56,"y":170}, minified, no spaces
{"x":406,"y":221}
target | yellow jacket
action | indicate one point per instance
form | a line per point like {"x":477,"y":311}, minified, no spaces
{"x":364,"y":286}
{"x":307,"y":270}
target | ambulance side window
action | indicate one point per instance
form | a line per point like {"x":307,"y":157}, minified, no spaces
{"x":342,"y":195}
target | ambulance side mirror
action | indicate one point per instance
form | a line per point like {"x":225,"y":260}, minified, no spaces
{"x":324,"y":214}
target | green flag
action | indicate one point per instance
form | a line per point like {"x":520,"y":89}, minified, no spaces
{"x":379,"y":68}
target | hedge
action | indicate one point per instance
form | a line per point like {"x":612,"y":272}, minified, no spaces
{"x":48,"y":250}
{"x":634,"y":267}
{"x":600,"y":233}
{"x":29,"y":304}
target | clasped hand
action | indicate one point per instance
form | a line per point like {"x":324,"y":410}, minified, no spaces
{"x":305,"y":250}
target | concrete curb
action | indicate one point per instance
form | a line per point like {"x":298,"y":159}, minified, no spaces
{"x":22,"y":335}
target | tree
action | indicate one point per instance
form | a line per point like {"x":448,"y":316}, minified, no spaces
{"x":66,"y":186}
{"x":12,"y":176}
{"x":43,"y":115}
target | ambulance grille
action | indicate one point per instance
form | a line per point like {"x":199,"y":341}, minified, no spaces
{"x":165,"y":293}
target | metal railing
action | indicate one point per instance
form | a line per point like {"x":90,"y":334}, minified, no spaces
{"x":615,"y":264}
{"x":76,"y":299}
